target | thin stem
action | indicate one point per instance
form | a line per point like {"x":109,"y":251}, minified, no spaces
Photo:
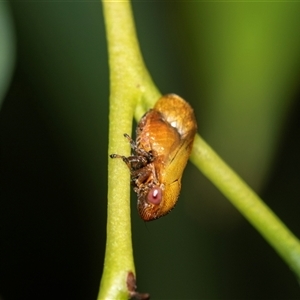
{"x":248,"y":203}
{"x":132,"y":93}
{"x":129,"y":80}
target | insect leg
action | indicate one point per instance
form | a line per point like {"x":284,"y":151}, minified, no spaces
{"x":124,"y":158}
{"x":139,"y":151}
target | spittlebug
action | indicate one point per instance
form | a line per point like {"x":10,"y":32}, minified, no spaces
{"x":164,"y":141}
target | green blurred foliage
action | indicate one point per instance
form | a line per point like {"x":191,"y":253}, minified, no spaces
{"x":236,"y":63}
{"x":7,"y":49}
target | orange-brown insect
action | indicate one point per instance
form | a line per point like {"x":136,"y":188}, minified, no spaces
{"x":165,"y":136}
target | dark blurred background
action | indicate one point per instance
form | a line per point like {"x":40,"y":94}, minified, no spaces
{"x":238,"y":64}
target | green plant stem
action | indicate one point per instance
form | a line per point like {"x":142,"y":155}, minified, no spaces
{"x":129,"y":80}
{"x":132,"y":93}
{"x":248,"y":203}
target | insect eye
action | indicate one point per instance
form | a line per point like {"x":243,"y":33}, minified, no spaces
{"x":155,"y":196}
